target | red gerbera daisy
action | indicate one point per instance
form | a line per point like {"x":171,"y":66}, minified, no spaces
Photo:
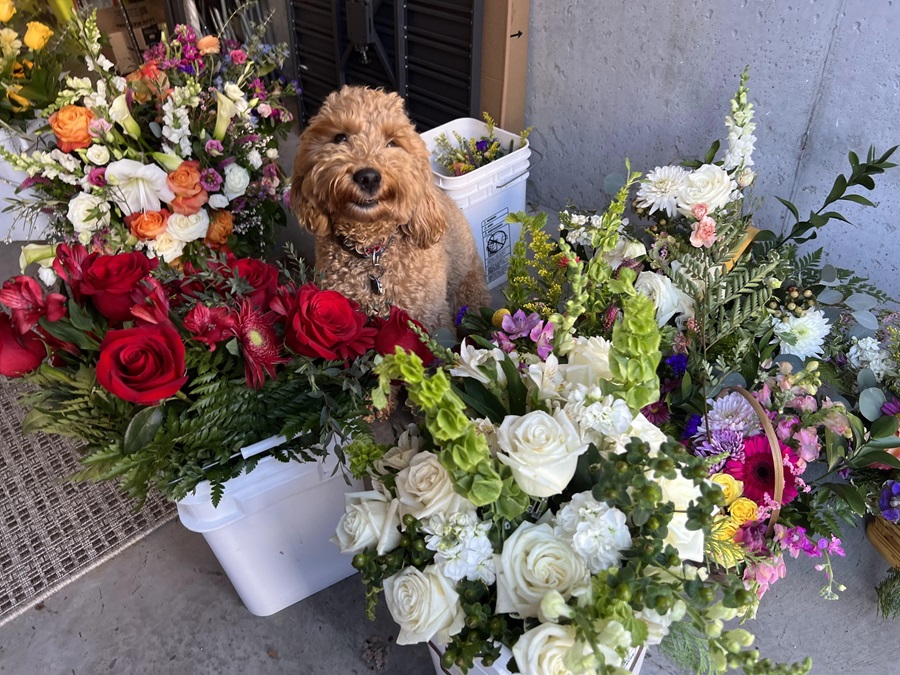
{"x":757,"y":470}
{"x":259,"y":344}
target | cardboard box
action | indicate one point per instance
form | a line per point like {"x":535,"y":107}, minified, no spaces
{"x":504,"y":62}
{"x":147,"y":20}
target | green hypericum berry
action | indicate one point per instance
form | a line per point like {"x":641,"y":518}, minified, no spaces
{"x":359,"y":561}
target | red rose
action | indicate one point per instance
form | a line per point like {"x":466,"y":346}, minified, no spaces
{"x":395,"y":332}
{"x":142,"y":365}
{"x":19,"y":354}
{"x":111,"y":279}
{"x":262,"y":277}
{"x":323,"y":324}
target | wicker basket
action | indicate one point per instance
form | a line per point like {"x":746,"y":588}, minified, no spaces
{"x":885,"y":538}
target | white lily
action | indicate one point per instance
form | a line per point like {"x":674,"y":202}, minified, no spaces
{"x":138,"y":187}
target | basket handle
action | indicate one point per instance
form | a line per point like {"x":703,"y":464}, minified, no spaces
{"x":777,"y":459}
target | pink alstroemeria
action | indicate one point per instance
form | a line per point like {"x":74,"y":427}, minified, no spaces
{"x":519,"y":325}
{"x":23,"y":295}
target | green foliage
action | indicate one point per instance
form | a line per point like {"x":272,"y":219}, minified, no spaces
{"x":687,"y":648}
{"x":888,"y":592}
{"x":535,"y":276}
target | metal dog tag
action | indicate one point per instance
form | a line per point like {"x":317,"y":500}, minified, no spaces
{"x":377,"y":286}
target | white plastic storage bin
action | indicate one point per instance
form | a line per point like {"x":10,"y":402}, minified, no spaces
{"x":632,"y":664}
{"x":271,"y":530}
{"x":488,"y":194}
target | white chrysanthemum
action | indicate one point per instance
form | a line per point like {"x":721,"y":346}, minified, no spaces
{"x":461,"y":545}
{"x":731,"y":412}
{"x":659,"y":192}
{"x":802,"y":336}
{"x":596,"y":531}
{"x":868,"y":353}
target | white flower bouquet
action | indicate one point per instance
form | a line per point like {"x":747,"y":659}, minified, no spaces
{"x":173,"y":159}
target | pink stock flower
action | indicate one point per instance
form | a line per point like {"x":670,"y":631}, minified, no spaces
{"x":785,"y":427}
{"x":704,"y":233}
{"x":99,"y":127}
{"x":808,"y":441}
{"x":805,"y":404}
{"x":765,"y":573}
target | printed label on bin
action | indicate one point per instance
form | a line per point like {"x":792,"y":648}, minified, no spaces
{"x":497,"y":243}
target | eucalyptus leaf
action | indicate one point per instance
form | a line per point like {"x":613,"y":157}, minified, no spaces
{"x":865,"y":379}
{"x":861,"y":301}
{"x":829,"y":276}
{"x":885,"y":426}
{"x":613,"y":183}
{"x":859,"y":332}
{"x":866,"y":319}
{"x":870,"y":402}
{"x":830,"y":296}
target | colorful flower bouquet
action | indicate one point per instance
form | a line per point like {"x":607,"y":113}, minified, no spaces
{"x":175,"y":159}
{"x":166,"y":375}
{"x":472,"y":153}
{"x":534,"y":507}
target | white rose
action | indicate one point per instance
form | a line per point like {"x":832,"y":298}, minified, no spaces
{"x":369,"y":519}
{"x":88,"y":213}
{"x":97,"y":154}
{"x":233,"y":91}
{"x":533,"y":562}
{"x":548,"y":649}
{"x":424,"y":605}
{"x":588,"y":361}
{"x":272,"y":153}
{"x":399,"y":457}
{"x":542,"y":451}
{"x":218,"y":201}
{"x":710,"y":185}
{"x":254,"y":159}
{"x":166,"y":246}
{"x":236,"y":181}
{"x":668,"y":299}
{"x":425,"y":488}
{"x":681,"y":492}
{"x":188,"y":228}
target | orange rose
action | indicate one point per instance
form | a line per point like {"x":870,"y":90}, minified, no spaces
{"x":220,"y":226}
{"x":208,"y":44}
{"x":147,"y":224}
{"x":185,"y":183}
{"x":147,"y":80}
{"x":70,"y":124}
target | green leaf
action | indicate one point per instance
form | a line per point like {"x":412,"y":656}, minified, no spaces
{"x":475,"y":395}
{"x":142,"y":429}
{"x":859,"y":199}
{"x":838,"y":189}
{"x":81,"y":319}
{"x":854,"y":159}
{"x":870,"y":402}
{"x":873,"y":455}
{"x":518,"y":394}
{"x":65,"y":331}
{"x":36,"y":420}
{"x":849,"y":494}
{"x":711,"y":153}
{"x":790,"y":207}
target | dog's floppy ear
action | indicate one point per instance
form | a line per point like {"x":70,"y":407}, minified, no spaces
{"x":428,"y":222}
{"x":309,"y":216}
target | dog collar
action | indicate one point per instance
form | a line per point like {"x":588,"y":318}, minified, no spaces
{"x":373,"y":253}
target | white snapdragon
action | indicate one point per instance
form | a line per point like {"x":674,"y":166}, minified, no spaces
{"x":596,"y":531}
{"x":461,"y":545}
{"x":658,"y":624}
{"x":741,"y":141}
{"x":176,"y":129}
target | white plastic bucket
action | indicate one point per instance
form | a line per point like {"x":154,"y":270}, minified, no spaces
{"x":271,"y":530}
{"x":488,"y":194}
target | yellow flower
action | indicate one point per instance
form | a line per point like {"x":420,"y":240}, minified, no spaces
{"x":742,"y":510}
{"x":19,"y":103}
{"x":37,"y":35}
{"x":732,"y":487}
{"x":497,"y":318}
{"x":7,"y":9}
{"x":19,"y":68}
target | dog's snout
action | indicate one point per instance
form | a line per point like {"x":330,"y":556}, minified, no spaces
{"x":368,"y":179}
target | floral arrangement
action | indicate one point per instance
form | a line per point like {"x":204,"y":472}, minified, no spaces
{"x":166,"y":375}
{"x":175,"y":159}
{"x":472,"y":153}
{"x":535,"y":515}
{"x":34,"y":48}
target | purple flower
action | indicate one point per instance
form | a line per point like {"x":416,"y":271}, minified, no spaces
{"x":97,"y":176}
{"x":723,"y":444}
{"x":214,"y":147}
{"x":892,"y":407}
{"x":482,"y":145}
{"x":258,"y":87}
{"x":185,"y":34}
{"x":542,"y":334}
{"x":836,"y":547}
{"x":460,"y":315}
{"x":31,"y":181}
{"x":270,"y":170}
{"x":889,"y":501}
{"x":692,"y":425}
{"x":657,"y":413}
{"x":678,"y":364}
{"x":518,"y":325}
{"x":238,"y":56}
{"x":503,"y":341}
{"x":210,"y":180}
{"x":793,"y":540}
{"x":753,"y":536}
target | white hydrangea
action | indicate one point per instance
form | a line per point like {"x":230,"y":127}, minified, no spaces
{"x":597,"y":532}
{"x":461,"y":545}
{"x":868,"y":353}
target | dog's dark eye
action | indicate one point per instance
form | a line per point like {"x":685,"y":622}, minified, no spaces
{"x":392,"y":143}
{"x":339,"y":138}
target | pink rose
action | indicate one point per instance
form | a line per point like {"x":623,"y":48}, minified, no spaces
{"x":238,"y":57}
{"x":704,"y":232}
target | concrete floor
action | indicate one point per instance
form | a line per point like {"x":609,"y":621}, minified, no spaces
{"x":164,"y":607}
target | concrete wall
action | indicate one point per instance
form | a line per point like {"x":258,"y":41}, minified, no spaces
{"x":651,"y":80}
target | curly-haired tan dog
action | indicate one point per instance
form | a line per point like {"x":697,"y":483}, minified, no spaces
{"x":385,"y":234}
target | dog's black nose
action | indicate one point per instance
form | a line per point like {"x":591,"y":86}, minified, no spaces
{"x":368,"y":179}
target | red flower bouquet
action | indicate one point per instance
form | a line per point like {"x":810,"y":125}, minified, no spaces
{"x":166,"y":375}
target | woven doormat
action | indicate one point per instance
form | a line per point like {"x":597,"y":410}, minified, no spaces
{"x":52,"y":530}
